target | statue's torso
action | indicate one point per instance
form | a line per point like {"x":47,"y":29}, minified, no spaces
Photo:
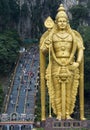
{"x":62,"y":44}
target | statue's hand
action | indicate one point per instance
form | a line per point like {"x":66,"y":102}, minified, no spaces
{"x":74,"y":65}
{"x":48,"y":42}
{"x":43,"y":48}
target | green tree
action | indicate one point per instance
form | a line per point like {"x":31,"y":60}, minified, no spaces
{"x":1,"y":97}
{"x":9,"y":14}
{"x":88,"y":4}
{"x":14,"y":11}
{"x":4,"y":13}
{"x":85,"y":32}
{"x":9,"y":51}
{"x":79,"y":14}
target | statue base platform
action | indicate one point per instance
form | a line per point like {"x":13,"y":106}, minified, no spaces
{"x":54,"y":124}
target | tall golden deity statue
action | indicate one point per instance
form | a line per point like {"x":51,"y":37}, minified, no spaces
{"x":64,"y":73}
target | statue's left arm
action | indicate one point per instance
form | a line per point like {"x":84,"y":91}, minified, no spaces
{"x":80,"y":47}
{"x":80,"y":60}
{"x":80,"y":50}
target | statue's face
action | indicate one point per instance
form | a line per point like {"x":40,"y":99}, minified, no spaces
{"x":62,"y":23}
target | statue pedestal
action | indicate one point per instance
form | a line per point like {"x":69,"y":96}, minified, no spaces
{"x":54,"y":124}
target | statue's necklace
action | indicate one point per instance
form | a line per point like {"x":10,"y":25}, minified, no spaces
{"x":62,"y":35}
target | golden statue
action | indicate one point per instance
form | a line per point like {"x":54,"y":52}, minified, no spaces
{"x":64,"y":73}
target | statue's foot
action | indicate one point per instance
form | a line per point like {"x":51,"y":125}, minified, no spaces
{"x":69,"y":117}
{"x":83,"y":118}
{"x":58,"y":117}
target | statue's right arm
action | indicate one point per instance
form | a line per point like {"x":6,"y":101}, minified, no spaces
{"x":44,"y":43}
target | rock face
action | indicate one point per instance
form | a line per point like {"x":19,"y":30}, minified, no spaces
{"x":34,"y":12}
{"x":69,"y":3}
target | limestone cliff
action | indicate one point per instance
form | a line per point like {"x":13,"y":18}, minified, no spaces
{"x":34,"y":12}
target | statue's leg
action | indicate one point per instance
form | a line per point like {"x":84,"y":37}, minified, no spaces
{"x":68,"y":97}
{"x":74,"y":90}
{"x":74,"y":93}
{"x":57,"y":89}
{"x":53,"y":97}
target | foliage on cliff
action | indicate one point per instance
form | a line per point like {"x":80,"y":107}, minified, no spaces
{"x":1,"y":97}
{"x":9,"y":38}
{"x":80,"y":16}
{"x":9,"y":51}
{"x":9,"y":14}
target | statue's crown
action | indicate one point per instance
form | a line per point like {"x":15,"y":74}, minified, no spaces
{"x":61,"y":8}
{"x":61,"y":12}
